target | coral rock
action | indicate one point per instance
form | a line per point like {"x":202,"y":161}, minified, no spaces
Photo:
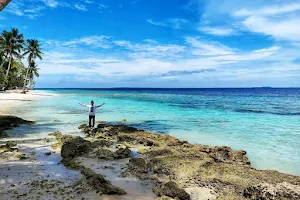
{"x":100,"y":184}
{"x":122,"y":153}
{"x":75,"y":147}
{"x":170,"y":189}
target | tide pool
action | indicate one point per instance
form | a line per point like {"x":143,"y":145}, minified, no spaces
{"x":263,"y":121}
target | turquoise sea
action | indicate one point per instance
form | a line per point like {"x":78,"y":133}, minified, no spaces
{"x":263,"y":121}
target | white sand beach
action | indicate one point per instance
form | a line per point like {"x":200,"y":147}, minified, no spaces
{"x":15,"y":98}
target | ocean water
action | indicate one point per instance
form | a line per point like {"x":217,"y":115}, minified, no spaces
{"x":263,"y":121}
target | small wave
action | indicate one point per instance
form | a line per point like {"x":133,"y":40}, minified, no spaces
{"x":265,"y":112}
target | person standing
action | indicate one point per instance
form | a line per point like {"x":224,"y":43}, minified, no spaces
{"x":92,"y":112}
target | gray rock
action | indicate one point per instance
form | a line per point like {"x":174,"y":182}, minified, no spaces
{"x":122,"y":153}
{"x":75,"y":147}
{"x":137,"y":165}
{"x":103,"y":153}
{"x":170,"y":189}
{"x":100,"y":184}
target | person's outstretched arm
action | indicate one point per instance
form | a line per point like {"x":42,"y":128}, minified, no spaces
{"x":100,"y":105}
{"x":82,"y":104}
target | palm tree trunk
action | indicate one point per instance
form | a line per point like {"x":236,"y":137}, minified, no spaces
{"x":29,"y":82}
{"x":25,"y":79}
{"x":2,"y":64}
{"x":7,"y":71}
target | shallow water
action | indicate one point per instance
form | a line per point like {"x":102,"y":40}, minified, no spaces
{"x":263,"y":121}
{"x":135,"y":188}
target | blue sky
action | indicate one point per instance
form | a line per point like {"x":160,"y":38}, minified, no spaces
{"x":155,"y":43}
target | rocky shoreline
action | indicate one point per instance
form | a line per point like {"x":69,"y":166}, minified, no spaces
{"x":9,"y":122}
{"x":122,"y":162}
{"x":173,"y":164}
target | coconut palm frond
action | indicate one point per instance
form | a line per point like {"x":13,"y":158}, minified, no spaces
{"x":11,"y":45}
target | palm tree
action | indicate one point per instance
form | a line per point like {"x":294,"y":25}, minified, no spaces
{"x":33,"y":50}
{"x":16,"y":73}
{"x":33,"y":71}
{"x":11,"y":44}
{"x":2,"y":56}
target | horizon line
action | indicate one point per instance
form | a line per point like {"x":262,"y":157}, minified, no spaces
{"x":262,"y":87}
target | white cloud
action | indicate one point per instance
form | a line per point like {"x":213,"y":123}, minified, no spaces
{"x":278,"y":19}
{"x":36,"y":9}
{"x":151,"y":58}
{"x":33,"y":9}
{"x":15,"y":8}
{"x":296,"y":44}
{"x":260,"y":54}
{"x":205,"y":48}
{"x":93,"y":41}
{"x":281,"y":29}
{"x":149,"y":50}
{"x":150,"y":41}
{"x":51,"y":3}
{"x":56,"y":55}
{"x":103,"y":6}
{"x":80,"y":7}
{"x":175,"y":23}
{"x":135,"y":1}
{"x":88,"y":1}
{"x":28,"y":10}
{"x":221,"y":31}
{"x":150,"y":21}
{"x":271,"y":49}
{"x":270,"y":10}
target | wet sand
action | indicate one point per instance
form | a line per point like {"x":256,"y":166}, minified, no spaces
{"x":17,"y":176}
{"x":112,"y":170}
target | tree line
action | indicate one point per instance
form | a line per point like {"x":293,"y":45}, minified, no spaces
{"x":13,"y":51}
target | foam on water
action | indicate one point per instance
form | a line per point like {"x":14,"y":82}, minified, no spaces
{"x":264,"y":122}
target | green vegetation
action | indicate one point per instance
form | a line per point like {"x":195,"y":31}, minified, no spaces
{"x":13,"y":49}
{"x":8,"y":146}
{"x":21,"y":156}
{"x":33,"y":51}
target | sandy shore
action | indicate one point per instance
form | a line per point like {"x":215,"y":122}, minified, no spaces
{"x":24,"y":170}
{"x":29,"y":164}
{"x":14,"y":98}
